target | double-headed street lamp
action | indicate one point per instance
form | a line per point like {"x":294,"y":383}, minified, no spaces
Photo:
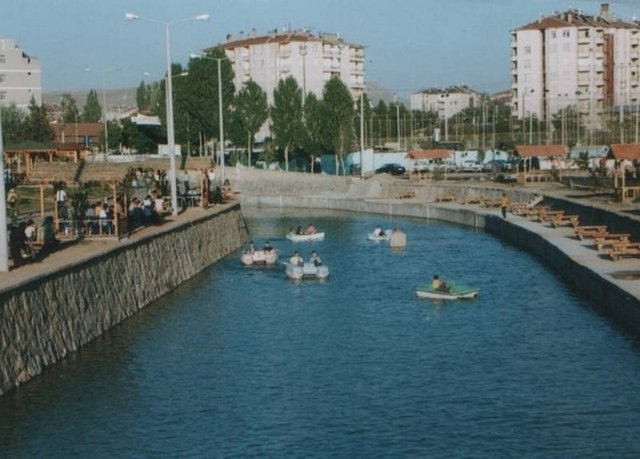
{"x":169,"y":101}
{"x":220,"y":111}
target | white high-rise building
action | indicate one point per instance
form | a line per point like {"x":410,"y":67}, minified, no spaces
{"x":446,"y":102}
{"x":20,"y":76}
{"x":573,"y":59}
{"x":310,"y":59}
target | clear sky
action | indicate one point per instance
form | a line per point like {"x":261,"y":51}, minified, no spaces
{"x":410,"y":44}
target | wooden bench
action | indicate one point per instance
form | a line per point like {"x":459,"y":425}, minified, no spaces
{"x":491,"y":203}
{"x":471,"y":200}
{"x":584,"y":232}
{"x":533,"y":212}
{"x":445,"y":197}
{"x":546,"y":215}
{"x":563,"y":220}
{"x":406,"y":195}
{"x":610,"y":240}
{"x":624,"y":249}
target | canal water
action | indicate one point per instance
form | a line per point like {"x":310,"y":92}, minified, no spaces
{"x":242,"y":362}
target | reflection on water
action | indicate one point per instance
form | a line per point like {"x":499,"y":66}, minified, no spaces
{"x":242,"y":362}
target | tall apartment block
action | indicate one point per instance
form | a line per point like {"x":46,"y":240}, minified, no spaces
{"x":20,"y":76}
{"x":591,"y":62}
{"x":310,"y":59}
{"x":446,"y":102}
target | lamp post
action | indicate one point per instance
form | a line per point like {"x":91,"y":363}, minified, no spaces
{"x":104,"y":104}
{"x":220,"y":111}
{"x":4,"y":240}
{"x":169,"y":100}
{"x":361,"y":132}
{"x":395,"y":101}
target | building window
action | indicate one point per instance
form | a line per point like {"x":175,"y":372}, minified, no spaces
{"x":527,"y":49}
{"x":3,"y":77}
{"x":3,"y":59}
{"x":527,"y":64}
{"x":553,"y":34}
{"x":3,"y":95}
{"x":566,"y":33}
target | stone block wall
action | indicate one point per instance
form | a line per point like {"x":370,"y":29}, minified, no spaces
{"x":43,"y":320}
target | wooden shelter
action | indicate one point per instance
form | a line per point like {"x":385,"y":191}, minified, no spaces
{"x":526,"y":172}
{"x":626,"y":186}
{"x":112,"y":174}
{"x":422,"y":160}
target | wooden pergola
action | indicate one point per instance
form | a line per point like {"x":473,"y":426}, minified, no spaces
{"x":623,"y":153}
{"x":113,"y":174}
{"x":528,"y":152}
{"x":433,"y":154}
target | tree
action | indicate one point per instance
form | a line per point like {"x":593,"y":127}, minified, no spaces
{"x":338,"y":119}
{"x":36,"y":124}
{"x":251,"y":111}
{"x":313,"y":126}
{"x":68,"y":108}
{"x":12,"y":124}
{"x":286,"y":116}
{"x":92,"y":112}
{"x":143,"y":97}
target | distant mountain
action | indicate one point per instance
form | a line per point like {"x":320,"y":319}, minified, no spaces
{"x":377,"y":92}
{"x":126,"y":97}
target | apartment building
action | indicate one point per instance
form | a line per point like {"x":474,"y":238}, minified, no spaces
{"x":20,"y":76}
{"x":446,"y":102}
{"x":570,"y":58}
{"x":310,"y":59}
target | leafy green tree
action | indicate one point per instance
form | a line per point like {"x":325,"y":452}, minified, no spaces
{"x":286,"y":116}
{"x":251,"y":111}
{"x":143,"y":139}
{"x":115,"y":135}
{"x":36,"y":124}
{"x":92,"y":112}
{"x":338,"y":120}
{"x":143,"y":97}
{"x":313,"y":126}
{"x":68,"y":108}
{"x":12,"y":124}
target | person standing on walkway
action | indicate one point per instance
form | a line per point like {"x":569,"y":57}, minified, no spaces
{"x":504,"y":204}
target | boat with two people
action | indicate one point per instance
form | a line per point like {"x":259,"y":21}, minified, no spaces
{"x":298,"y":269}
{"x":309,"y":235}
{"x":262,"y":257}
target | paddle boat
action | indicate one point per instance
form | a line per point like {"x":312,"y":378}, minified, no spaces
{"x":306,"y":271}
{"x":305,"y":237}
{"x":456,"y":292}
{"x":386,"y":235}
{"x":259,"y":258}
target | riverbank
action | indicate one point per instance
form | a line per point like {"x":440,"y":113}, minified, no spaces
{"x":54,"y":307}
{"x":611,"y":285}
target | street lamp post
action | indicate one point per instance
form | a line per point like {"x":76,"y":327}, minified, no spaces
{"x":104,"y":104}
{"x":395,"y":101}
{"x":361,"y":132}
{"x":169,"y":100}
{"x":4,"y":240}
{"x":220,"y":111}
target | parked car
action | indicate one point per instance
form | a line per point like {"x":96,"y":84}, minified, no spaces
{"x":471,"y":166}
{"x":497,"y":165}
{"x":391,"y":168}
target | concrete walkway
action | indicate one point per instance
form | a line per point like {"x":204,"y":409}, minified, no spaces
{"x":88,"y":249}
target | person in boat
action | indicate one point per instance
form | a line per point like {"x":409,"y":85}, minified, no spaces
{"x":299,"y":231}
{"x":379,"y":232}
{"x":252,"y":247}
{"x":311,"y":229}
{"x":315,"y":259}
{"x":438,"y":285}
{"x":267,"y":247}
{"x":296,"y":259}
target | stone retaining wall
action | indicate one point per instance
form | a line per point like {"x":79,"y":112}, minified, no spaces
{"x":43,"y":320}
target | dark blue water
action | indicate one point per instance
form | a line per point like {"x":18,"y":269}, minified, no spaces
{"x":242,"y":362}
